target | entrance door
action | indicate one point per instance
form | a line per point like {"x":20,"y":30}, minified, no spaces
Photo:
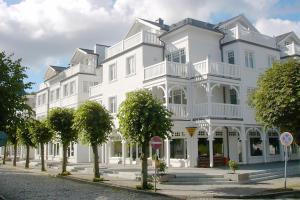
{"x":203,"y":147}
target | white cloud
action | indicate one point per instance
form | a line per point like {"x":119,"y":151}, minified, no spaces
{"x":277,"y":26}
{"x":40,"y":31}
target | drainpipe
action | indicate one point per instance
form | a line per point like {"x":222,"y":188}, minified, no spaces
{"x":221,"y":47}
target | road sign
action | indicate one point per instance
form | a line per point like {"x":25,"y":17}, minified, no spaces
{"x":156,"y":142}
{"x":286,"y":139}
{"x":3,"y":138}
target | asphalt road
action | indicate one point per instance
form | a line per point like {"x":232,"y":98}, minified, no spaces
{"x":26,"y":185}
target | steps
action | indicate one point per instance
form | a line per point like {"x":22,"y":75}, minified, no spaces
{"x":203,"y":162}
{"x":196,"y":179}
{"x":271,"y":174}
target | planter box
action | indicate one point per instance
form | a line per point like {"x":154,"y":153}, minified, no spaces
{"x":165,"y":177}
{"x":237,"y":177}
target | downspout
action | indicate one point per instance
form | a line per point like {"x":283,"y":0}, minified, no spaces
{"x":221,"y":47}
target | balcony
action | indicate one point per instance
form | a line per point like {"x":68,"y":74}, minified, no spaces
{"x":179,"y":110}
{"x":95,"y":90}
{"x":218,"y":110}
{"x":240,"y":32}
{"x":140,"y":37}
{"x":166,"y":68}
{"x":289,"y":50}
{"x":216,"y":68}
{"x":80,"y":68}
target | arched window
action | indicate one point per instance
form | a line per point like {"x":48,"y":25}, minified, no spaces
{"x":177,"y":96}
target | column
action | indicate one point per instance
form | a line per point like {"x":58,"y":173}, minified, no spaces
{"x":211,"y":147}
{"x":168,"y":152}
{"x":137,"y":153}
{"x":189,"y":151}
{"x":243,"y":137}
{"x":103,"y":153}
{"x":131,"y":151}
{"x":123,"y":152}
{"x":208,"y":92}
{"x":107,"y":153}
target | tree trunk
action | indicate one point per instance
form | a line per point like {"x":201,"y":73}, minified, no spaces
{"x":96,"y":161}
{"x":27,"y":156}
{"x":15,"y":154}
{"x":43,"y":157}
{"x":4,"y":156}
{"x":144,"y":158}
{"x":64,"y":162}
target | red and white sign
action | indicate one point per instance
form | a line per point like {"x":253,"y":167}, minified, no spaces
{"x":286,"y":139}
{"x":156,"y":142}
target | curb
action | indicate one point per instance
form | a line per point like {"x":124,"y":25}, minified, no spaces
{"x":80,"y":180}
{"x":257,"y":196}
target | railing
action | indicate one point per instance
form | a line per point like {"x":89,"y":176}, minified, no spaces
{"x":95,"y":90}
{"x":217,"y":110}
{"x":140,"y":37}
{"x":178,"y":110}
{"x":216,"y":68}
{"x":80,"y":68}
{"x":241,"y":33}
{"x":290,"y":49}
{"x":166,"y":68}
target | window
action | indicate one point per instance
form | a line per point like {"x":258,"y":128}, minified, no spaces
{"x":130,"y":65}
{"x":271,"y":60}
{"x":178,"y":148}
{"x":233,"y":96}
{"x":294,"y":148}
{"x":71,"y":150}
{"x":72,"y":87}
{"x":255,"y":144}
{"x":52,"y":96}
{"x":117,"y":149}
{"x":177,"y":97}
{"x":218,"y":148}
{"x":112,"y":72}
{"x":286,"y":43}
{"x":112,"y":104}
{"x":66,"y":90}
{"x":230,"y":55}
{"x":56,"y":149}
{"x":50,"y":148}
{"x":249,"y":59}
{"x":57,"y":94}
{"x":177,"y":56}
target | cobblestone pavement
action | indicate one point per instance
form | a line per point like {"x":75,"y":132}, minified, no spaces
{"x":27,"y":185}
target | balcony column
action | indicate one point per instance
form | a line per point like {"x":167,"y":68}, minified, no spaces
{"x":167,"y":142}
{"x":209,"y":94}
{"x":211,"y":147}
{"x":123,"y":152}
{"x":244,"y":144}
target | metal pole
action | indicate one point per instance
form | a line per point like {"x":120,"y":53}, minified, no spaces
{"x":155,"y":177}
{"x":285,"y":166}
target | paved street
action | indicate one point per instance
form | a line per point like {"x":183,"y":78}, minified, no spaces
{"x":26,"y":185}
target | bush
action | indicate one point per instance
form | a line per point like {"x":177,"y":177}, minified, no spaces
{"x":65,"y":173}
{"x":233,"y":165}
{"x":162,"y":167}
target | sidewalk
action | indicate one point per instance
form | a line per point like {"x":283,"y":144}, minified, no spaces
{"x":181,"y":191}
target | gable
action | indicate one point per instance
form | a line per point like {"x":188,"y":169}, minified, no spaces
{"x":288,"y":37}
{"x":240,"y":19}
{"x":141,"y":24}
{"x":49,"y":73}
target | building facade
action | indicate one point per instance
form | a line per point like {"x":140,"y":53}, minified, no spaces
{"x":203,"y":73}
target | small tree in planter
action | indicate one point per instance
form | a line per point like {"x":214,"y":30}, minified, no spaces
{"x":162,"y":168}
{"x":233,"y":165}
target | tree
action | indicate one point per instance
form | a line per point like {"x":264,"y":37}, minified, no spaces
{"x":277,"y":98}
{"x":41,"y":135}
{"x":93,"y":124}
{"x":11,"y":130}
{"x":24,"y":135}
{"x":12,"y":88}
{"x":141,"y":117}
{"x":60,"y":121}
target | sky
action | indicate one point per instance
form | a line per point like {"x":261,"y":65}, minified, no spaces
{"x":46,"y":32}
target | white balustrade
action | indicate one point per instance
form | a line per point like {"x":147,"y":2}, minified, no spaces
{"x":166,"y":68}
{"x":200,"y":110}
{"x":216,"y":68}
{"x":95,"y":90}
{"x":134,"y":40}
{"x":178,"y":110}
{"x":225,"y":110}
{"x":80,"y":68}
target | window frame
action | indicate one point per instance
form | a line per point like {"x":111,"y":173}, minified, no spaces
{"x":112,"y":75}
{"x":112,"y":108}
{"x":130,"y":70}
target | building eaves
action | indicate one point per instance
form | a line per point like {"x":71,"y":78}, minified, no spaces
{"x":88,"y":51}
{"x":162,"y":26}
{"x":57,"y":68}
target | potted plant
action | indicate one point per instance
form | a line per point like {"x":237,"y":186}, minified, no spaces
{"x":233,"y":165}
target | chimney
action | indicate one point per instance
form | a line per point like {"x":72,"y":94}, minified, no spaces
{"x":160,"y":21}
{"x":101,"y":51}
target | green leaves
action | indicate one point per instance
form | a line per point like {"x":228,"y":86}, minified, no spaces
{"x":142,"y":116}
{"x":277,"y":99}
{"x":40,"y":132}
{"x":60,"y":121}
{"x":93,"y":123}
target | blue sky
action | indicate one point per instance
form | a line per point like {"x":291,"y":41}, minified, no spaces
{"x":47,"y":32}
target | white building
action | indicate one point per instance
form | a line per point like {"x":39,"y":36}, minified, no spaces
{"x":202,"y":72}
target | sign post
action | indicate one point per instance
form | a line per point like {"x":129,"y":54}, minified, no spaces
{"x":155,"y":143}
{"x":286,"y":140}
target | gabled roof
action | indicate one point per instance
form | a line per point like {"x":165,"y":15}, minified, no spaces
{"x":281,"y":37}
{"x":161,"y":26}
{"x":88,"y":51}
{"x":240,"y":17}
{"x":53,"y":71}
{"x":57,"y":68}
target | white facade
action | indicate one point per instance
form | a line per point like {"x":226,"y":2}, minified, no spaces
{"x":203,"y":73}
